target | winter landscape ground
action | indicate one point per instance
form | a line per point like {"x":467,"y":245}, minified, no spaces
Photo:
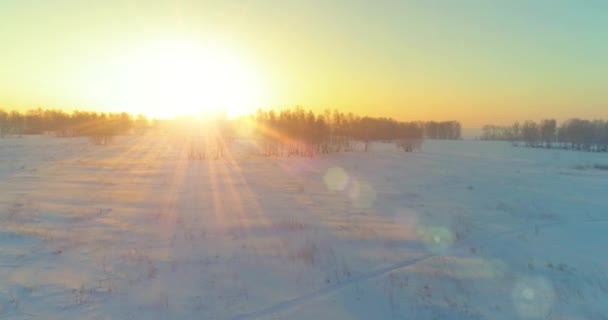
{"x":458,"y":230}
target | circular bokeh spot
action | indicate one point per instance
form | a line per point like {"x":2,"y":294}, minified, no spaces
{"x":438,"y":239}
{"x":362,"y":195}
{"x":533,"y":297}
{"x":336,"y":179}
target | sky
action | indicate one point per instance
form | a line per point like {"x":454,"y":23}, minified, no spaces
{"x":474,"y":61}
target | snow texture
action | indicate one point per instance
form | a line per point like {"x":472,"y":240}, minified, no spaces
{"x":459,"y":230}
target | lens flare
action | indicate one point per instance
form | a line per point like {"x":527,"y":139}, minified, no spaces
{"x":362,"y":195}
{"x":533,"y":297}
{"x":437,"y":238}
{"x":336,"y":179}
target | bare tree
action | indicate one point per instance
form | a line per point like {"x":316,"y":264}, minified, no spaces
{"x":548,"y":131}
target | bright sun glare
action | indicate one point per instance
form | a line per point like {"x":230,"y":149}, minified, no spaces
{"x":174,"y":78}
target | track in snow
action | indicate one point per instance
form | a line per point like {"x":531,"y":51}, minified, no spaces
{"x":288,"y":304}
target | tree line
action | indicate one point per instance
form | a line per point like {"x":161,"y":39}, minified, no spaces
{"x":280,"y":133}
{"x":100,"y":127}
{"x":574,"y":134}
{"x":303,"y":132}
{"x":446,"y":130}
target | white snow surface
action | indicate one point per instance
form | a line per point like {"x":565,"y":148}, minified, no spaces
{"x":459,"y":230}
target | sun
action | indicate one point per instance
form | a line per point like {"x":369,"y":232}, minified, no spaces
{"x":170,"y":78}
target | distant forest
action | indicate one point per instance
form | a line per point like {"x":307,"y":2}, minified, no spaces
{"x":99,"y":126}
{"x":307,"y":132}
{"x":573,"y":134}
{"x":335,"y":131}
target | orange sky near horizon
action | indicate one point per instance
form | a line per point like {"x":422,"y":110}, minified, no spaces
{"x":477,"y":62}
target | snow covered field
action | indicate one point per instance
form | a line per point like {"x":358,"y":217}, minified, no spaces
{"x":460,"y":230}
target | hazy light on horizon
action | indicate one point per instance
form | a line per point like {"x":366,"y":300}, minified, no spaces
{"x":473,"y":61}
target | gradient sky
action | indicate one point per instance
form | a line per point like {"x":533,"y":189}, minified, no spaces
{"x":474,"y":61}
